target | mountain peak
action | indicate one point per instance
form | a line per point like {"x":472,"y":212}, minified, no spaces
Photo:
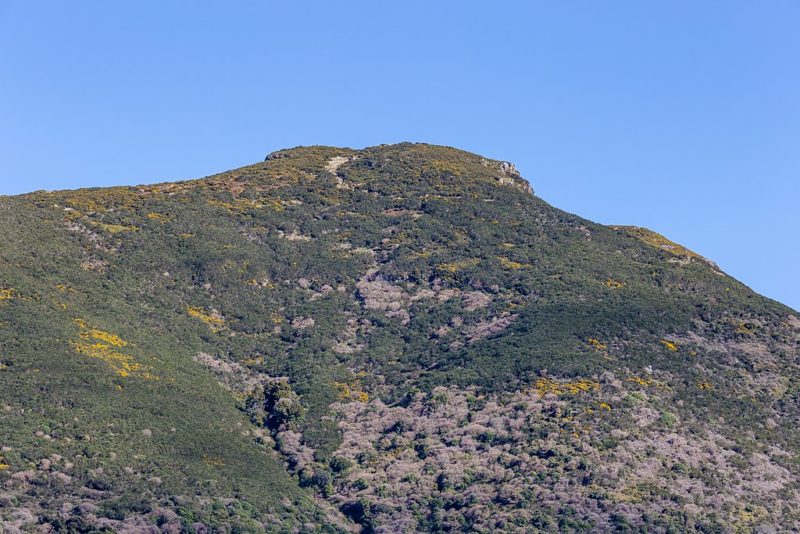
{"x":396,"y":338}
{"x":435,"y":159}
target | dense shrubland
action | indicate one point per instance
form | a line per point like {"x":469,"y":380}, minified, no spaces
{"x":401,"y":337}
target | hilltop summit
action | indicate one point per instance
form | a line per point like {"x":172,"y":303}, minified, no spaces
{"x":507,"y":172}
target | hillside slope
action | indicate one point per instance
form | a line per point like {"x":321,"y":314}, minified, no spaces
{"x":397,"y":338}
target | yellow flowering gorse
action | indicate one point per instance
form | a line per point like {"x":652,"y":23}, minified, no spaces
{"x":544,"y":386}
{"x":96,"y":343}
{"x":214,"y":321}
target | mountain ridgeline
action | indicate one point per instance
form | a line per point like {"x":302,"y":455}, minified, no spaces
{"x":396,"y":339}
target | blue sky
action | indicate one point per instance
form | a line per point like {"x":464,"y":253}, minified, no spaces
{"x":680,"y":116}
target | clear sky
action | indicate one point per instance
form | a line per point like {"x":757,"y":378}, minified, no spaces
{"x":680,"y":116}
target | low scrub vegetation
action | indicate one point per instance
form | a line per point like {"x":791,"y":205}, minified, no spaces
{"x":397,"y":338}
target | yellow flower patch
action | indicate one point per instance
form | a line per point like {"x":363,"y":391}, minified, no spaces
{"x":596,"y":344}
{"x":669,"y":345}
{"x":745,"y":329}
{"x":7,"y":294}
{"x":641,"y":381}
{"x":116,"y":228}
{"x":102,"y":200}
{"x":122,"y":364}
{"x":658,"y":241}
{"x":89,"y":333}
{"x":510,"y":264}
{"x":240,"y":205}
{"x":351,"y":392}
{"x":454,"y":267}
{"x":214,"y":321}
{"x":96,"y":343}
{"x":544,"y":386}
{"x":613,"y":284}
{"x":647,"y":382}
{"x":100,"y":335}
{"x":600,"y":347}
{"x":441,"y":166}
{"x":420,"y":254}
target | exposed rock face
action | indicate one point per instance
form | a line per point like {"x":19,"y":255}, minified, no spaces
{"x":335,"y":162}
{"x":278,"y":154}
{"x":509,"y":170}
{"x":509,"y":175}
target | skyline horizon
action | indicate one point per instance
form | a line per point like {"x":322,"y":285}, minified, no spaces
{"x":682,"y":118}
{"x":533,"y":185}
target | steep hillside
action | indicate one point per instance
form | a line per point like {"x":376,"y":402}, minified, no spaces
{"x":393,"y":339}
